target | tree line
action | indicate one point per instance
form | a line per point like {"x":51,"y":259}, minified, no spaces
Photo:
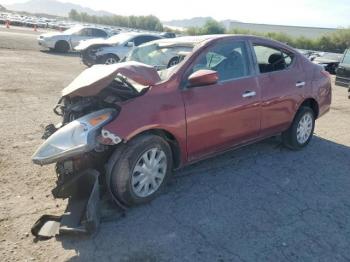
{"x":149,"y":22}
{"x":336,"y":42}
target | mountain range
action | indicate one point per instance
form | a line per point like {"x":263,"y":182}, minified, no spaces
{"x":53,"y":7}
{"x":57,"y":8}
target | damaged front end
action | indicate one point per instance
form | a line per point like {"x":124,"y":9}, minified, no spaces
{"x":78,"y":145}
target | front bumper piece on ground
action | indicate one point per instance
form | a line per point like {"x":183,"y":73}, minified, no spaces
{"x":82,"y":212}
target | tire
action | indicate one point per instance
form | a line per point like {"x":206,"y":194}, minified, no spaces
{"x":123,"y":166}
{"x":173,"y":61}
{"x":62,"y":46}
{"x":109,"y":59}
{"x":303,"y":123}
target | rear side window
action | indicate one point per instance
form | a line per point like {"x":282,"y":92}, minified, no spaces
{"x":144,"y":39}
{"x":271,"y":59}
{"x":346,"y":59}
{"x":99,"y":33}
{"x":229,"y":59}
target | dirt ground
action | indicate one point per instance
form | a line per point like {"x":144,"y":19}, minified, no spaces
{"x":259,"y":203}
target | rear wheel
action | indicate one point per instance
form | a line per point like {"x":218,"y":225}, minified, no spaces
{"x":141,"y":170}
{"x":62,"y":46}
{"x":301,"y":131}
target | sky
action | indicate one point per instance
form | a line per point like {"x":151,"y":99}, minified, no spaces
{"x":319,"y":13}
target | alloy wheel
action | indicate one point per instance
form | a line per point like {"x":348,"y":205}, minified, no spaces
{"x":110,"y":60}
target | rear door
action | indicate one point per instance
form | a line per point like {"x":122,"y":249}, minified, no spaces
{"x":83,"y":34}
{"x":227,"y":113}
{"x":343,"y":71}
{"x":282,"y":82}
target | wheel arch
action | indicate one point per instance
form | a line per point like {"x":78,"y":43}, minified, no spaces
{"x":169,"y":138}
{"x":311,"y":103}
{"x":63,"y":41}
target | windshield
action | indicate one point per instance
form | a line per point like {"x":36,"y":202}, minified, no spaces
{"x":159,"y":55}
{"x":332,"y":56}
{"x":116,"y":39}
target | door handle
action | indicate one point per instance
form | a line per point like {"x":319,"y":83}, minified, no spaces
{"x":300,"y":84}
{"x":248,"y":94}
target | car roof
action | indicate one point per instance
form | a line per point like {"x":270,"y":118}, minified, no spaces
{"x":182,"y":40}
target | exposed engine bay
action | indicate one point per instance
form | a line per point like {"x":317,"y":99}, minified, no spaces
{"x":119,"y":90}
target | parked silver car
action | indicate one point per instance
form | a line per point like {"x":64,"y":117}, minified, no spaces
{"x":113,"y":49}
{"x":67,"y":40}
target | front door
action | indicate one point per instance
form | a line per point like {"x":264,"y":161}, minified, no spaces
{"x":227,"y":113}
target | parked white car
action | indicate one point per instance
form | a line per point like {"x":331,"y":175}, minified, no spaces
{"x":113,"y":49}
{"x":67,"y":40}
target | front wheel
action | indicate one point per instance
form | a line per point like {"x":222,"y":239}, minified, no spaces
{"x":109,"y":59}
{"x":141,"y":170}
{"x":301,"y":131}
{"x":62,"y":46}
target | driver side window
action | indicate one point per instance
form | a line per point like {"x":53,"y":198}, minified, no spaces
{"x":228,"y":58}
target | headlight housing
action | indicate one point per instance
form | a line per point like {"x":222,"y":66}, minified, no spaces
{"x":75,"y":138}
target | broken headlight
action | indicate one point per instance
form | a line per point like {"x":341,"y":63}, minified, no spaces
{"x":75,"y":138}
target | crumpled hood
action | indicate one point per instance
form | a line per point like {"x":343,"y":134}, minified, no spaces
{"x":92,"y":80}
{"x":87,"y":43}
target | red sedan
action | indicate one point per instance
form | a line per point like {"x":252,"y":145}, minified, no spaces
{"x":135,"y":125}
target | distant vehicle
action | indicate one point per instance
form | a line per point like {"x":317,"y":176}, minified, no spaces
{"x":113,"y":49}
{"x":343,"y":71}
{"x":164,"y":53}
{"x":168,"y":35}
{"x":329,"y":61}
{"x":67,"y":40}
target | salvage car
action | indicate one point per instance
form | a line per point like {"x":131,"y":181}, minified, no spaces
{"x":163,"y":53}
{"x":329,"y":61}
{"x":131,"y":125}
{"x":343,"y":71}
{"x":111,"y":50}
{"x":67,"y":40}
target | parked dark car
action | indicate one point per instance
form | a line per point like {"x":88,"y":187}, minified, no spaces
{"x":343,"y":71}
{"x":329,"y":61}
{"x":135,"y":124}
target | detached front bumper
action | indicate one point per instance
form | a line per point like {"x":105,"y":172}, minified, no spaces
{"x":82,"y":212}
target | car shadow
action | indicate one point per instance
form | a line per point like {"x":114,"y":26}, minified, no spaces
{"x":258,"y":203}
{"x":69,"y":54}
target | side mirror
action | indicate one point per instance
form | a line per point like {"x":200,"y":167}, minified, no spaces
{"x":130,"y":44}
{"x":203,"y":78}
